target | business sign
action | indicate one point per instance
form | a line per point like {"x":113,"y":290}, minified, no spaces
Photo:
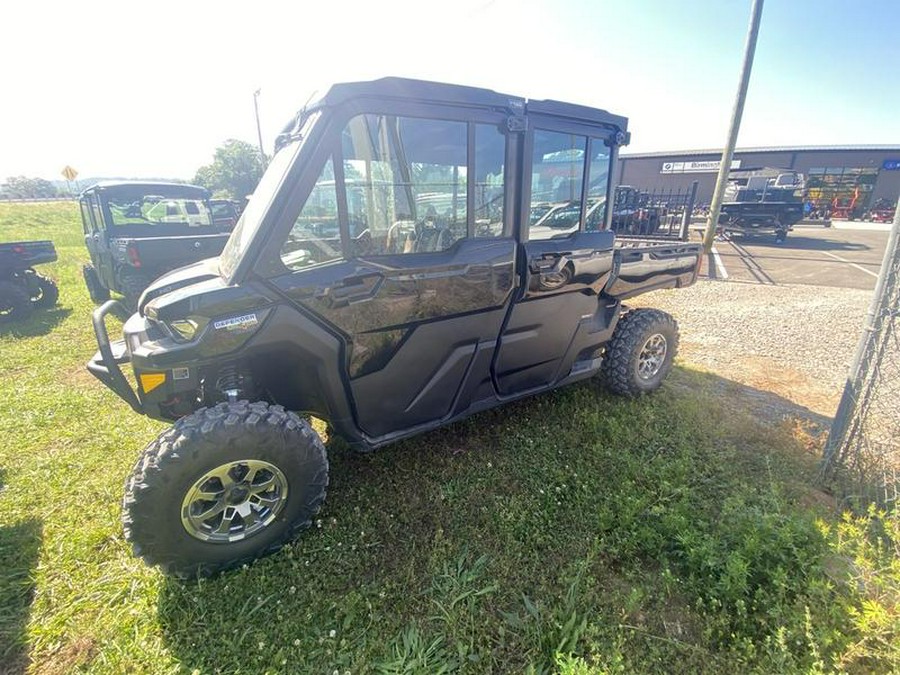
{"x":711,"y":166}
{"x":891,"y":165}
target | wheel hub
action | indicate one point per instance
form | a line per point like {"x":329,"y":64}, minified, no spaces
{"x":234,"y":501}
{"x":238,"y":494}
{"x":652,"y":356}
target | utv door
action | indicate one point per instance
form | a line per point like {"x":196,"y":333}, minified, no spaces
{"x":559,"y":321}
{"x":89,"y":228}
{"x":409,"y":208}
{"x":98,"y":243}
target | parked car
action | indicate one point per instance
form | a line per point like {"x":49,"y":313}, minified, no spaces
{"x":384,"y":314}
{"x":21,"y":288}
{"x":135,"y":231}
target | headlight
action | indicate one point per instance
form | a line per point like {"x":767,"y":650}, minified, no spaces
{"x":185,"y":328}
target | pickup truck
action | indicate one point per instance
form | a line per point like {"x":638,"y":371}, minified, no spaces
{"x":390,"y":275}
{"x":135,"y":231}
{"x":21,"y":288}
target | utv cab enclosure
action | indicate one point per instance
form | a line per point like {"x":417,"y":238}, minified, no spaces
{"x":135,"y":231}
{"x":388,"y":276}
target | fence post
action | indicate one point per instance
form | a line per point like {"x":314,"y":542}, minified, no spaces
{"x":688,"y":212}
{"x":879,"y":309}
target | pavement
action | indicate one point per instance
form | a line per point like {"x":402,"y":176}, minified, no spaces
{"x":845,"y":255}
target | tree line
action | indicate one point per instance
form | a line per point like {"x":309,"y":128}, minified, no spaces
{"x":235,"y":170}
{"x":22,"y":187}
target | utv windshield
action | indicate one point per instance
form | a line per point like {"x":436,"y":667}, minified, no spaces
{"x":250,"y":221}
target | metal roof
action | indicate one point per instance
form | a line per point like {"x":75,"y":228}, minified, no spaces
{"x":788,"y":148}
{"x":162,"y":188}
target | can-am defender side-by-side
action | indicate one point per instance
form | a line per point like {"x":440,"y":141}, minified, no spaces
{"x":135,"y":231}
{"x":387,"y":276}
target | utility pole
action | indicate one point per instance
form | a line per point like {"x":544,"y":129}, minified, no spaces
{"x":258,"y":127}
{"x":728,"y":152}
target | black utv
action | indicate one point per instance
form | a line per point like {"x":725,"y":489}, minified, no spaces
{"x":385,"y":277}
{"x":21,"y":288}
{"x":135,"y":231}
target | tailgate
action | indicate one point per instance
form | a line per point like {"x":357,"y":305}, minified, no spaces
{"x":172,"y":252}
{"x":643,"y":266}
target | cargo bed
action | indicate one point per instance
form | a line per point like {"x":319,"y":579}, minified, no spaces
{"x":24,"y":254}
{"x":644,"y":265}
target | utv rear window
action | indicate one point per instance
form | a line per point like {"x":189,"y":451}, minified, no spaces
{"x":569,"y":182}
{"x":145,"y":210}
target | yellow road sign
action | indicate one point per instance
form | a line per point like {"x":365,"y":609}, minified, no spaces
{"x":69,"y":173}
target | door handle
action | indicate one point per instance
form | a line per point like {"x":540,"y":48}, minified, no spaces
{"x":354,"y":289}
{"x":544,"y":262}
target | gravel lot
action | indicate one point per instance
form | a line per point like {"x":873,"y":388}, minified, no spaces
{"x":793,"y":341}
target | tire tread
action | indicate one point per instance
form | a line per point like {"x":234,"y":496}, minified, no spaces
{"x":617,"y":370}
{"x":152,"y":469}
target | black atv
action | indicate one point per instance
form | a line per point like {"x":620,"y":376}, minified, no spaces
{"x":387,"y":277}
{"x":21,"y":288}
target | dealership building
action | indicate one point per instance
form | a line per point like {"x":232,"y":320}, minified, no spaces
{"x":837,"y":175}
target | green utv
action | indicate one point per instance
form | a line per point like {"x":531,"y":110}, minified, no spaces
{"x":135,"y":231}
{"x":389,"y":276}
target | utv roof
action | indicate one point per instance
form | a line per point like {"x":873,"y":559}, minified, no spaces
{"x":431,"y":92}
{"x":149,"y":187}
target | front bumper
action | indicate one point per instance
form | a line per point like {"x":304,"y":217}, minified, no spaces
{"x":106,"y":363}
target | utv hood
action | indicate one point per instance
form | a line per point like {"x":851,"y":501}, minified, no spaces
{"x":198,"y":291}
{"x":180,"y":278}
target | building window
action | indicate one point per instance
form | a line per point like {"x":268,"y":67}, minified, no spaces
{"x":841,"y":191}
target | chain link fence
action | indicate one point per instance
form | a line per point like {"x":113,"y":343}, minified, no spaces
{"x":862,"y":455}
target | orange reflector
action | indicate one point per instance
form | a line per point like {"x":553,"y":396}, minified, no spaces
{"x":150,"y":381}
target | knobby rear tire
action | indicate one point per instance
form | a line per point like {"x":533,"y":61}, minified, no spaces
{"x":620,"y":371}
{"x":44,"y":291}
{"x":15,"y":302}
{"x":98,"y":292}
{"x":133,"y":286}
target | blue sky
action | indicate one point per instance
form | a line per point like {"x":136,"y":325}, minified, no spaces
{"x":150,"y":89}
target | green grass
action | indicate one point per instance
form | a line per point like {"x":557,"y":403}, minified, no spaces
{"x":572,"y":532}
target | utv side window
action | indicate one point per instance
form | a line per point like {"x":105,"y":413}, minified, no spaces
{"x":406,"y":184}
{"x":557,"y":175}
{"x":598,"y":181}
{"x":315,"y":237}
{"x":490,"y":154}
{"x":95,"y":210}
{"x":86,"y":224}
